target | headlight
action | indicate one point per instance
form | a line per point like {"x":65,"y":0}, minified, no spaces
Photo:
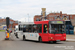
{"x":51,"y":37}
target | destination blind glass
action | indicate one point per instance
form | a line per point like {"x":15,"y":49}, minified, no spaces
{"x":57,"y":22}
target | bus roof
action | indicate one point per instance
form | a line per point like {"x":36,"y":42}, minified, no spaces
{"x":26,"y":23}
{"x":38,"y":22}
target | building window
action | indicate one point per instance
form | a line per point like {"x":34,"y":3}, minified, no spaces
{"x":70,"y":15}
{"x":74,"y":17}
{"x":52,"y":18}
{"x":37,"y":19}
{"x":55,"y":17}
{"x":49,"y":16}
{"x":54,"y":13}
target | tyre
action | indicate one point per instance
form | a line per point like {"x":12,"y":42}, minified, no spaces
{"x":17,"y":35}
{"x":54,"y":41}
{"x":40,"y":39}
{"x":24,"y":38}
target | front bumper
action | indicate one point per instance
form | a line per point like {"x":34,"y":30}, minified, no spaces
{"x":55,"y":39}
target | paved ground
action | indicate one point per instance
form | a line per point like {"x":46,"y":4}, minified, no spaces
{"x":2,"y":35}
{"x":18,"y":44}
{"x":70,"y":38}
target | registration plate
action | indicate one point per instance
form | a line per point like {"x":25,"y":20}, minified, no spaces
{"x":57,"y":40}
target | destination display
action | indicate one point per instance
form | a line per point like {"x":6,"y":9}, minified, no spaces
{"x":57,"y":22}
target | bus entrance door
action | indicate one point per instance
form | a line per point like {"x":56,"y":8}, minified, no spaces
{"x":45,"y":32}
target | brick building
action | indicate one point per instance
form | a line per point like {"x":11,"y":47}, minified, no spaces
{"x":37,"y":17}
{"x":12,"y":23}
{"x":58,"y":16}
{"x":55,"y":16}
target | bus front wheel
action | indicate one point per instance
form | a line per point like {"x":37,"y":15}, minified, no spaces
{"x":54,"y":41}
{"x":40,"y":39}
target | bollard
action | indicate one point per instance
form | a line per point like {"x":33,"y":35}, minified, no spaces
{"x":7,"y":35}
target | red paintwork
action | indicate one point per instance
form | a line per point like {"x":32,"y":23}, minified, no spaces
{"x":47,"y":36}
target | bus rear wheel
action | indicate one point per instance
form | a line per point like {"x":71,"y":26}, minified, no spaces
{"x":54,"y":41}
{"x":24,"y":38}
{"x":40,"y":39}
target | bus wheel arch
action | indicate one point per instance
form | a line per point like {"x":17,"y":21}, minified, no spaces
{"x":24,"y":38}
{"x":40,"y":39}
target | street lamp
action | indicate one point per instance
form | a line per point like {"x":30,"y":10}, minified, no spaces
{"x":28,"y":17}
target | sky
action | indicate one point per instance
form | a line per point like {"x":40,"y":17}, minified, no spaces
{"x":25,"y":10}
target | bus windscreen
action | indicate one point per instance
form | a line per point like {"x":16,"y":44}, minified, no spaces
{"x":57,"y":28}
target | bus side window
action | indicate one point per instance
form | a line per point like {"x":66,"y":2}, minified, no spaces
{"x":35,"y":28}
{"x":30,"y":28}
{"x":24,"y":28}
{"x":39,"y":28}
{"x":27,"y":28}
{"x":45,"y":28}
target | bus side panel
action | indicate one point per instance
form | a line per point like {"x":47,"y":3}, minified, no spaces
{"x":44,"y":37}
{"x":31,"y":36}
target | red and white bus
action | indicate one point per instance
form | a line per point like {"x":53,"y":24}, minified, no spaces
{"x":43,"y":31}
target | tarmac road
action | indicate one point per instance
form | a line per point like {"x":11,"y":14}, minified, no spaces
{"x":18,"y":44}
{"x":2,"y":35}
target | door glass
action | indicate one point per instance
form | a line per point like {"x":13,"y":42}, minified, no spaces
{"x":45,"y":28}
{"x":39,"y":28}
